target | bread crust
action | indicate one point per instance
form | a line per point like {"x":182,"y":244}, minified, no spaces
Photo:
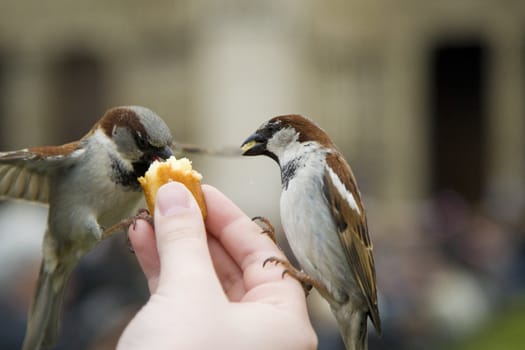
{"x":172,"y":169}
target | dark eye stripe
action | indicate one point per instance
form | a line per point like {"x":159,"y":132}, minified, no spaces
{"x":141,"y":142}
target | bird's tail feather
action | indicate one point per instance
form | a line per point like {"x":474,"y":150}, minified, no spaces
{"x":44,"y":317}
{"x":353,"y":328}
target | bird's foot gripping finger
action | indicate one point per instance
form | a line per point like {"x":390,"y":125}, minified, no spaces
{"x":142,"y":214}
{"x":268,"y":228}
{"x":306,"y":281}
{"x":145,"y":215}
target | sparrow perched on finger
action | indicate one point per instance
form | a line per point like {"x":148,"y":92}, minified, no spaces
{"x":324,"y":221}
{"x":90,"y":185}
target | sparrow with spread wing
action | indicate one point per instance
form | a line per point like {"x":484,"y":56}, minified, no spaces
{"x":90,"y":185}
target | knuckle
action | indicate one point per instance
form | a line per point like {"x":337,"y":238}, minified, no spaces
{"x":179,"y":233}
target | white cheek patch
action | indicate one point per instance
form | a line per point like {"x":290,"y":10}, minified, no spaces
{"x":282,"y":140}
{"x":342,"y":189}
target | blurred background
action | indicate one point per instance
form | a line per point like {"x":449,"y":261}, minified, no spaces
{"x":424,"y":98}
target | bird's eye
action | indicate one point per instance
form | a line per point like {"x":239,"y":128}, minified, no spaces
{"x":142,"y":143}
{"x":273,"y":128}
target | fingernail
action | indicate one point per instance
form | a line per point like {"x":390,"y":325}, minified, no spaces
{"x":173,"y":199}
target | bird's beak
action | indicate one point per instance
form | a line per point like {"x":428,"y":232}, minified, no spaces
{"x":164,"y":153}
{"x":254,"y":145}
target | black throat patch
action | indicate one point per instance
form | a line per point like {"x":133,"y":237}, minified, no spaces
{"x":125,"y":177}
{"x":288,"y":172}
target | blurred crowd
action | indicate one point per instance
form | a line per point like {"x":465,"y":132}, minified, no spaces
{"x":445,"y":271}
{"x":445,"y":279}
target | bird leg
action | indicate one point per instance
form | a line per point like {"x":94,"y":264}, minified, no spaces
{"x":123,"y":225}
{"x":268,"y":230}
{"x":306,"y":281}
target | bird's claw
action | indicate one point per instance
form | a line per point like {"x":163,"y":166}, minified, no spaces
{"x":142,"y":214}
{"x":123,"y":225}
{"x":268,"y":230}
{"x":306,"y":281}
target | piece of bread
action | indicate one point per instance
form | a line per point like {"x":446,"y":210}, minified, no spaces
{"x":172,"y":169}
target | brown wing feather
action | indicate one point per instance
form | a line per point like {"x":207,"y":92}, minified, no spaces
{"x":353,"y":232}
{"x":24,"y":174}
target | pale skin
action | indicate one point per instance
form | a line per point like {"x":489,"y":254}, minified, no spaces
{"x":209,"y":289}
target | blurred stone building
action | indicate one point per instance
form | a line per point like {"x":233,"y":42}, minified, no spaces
{"x":421,"y":96}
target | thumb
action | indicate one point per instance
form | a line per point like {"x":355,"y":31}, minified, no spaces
{"x":185,"y":261}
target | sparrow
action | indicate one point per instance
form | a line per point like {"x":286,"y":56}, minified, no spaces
{"x":324,"y":221}
{"x":90,"y":185}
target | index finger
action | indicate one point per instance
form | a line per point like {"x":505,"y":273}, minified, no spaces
{"x":239,"y":235}
{"x":243,"y":240}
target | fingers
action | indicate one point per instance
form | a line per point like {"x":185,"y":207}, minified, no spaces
{"x":144,"y":244}
{"x":178,"y":254}
{"x":242,"y":239}
{"x":233,"y":228}
{"x":181,"y":243}
{"x":229,"y":273}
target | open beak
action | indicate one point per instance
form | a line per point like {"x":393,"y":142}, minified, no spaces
{"x":163,"y":153}
{"x":254,"y":145}
{"x":166,"y":152}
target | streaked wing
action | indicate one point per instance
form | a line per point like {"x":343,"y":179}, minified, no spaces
{"x":350,"y":218}
{"x":24,"y":174}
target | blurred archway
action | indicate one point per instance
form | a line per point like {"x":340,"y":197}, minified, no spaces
{"x":458,"y":118}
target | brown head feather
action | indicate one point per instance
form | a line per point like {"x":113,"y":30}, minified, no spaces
{"x":120,"y":116}
{"x":308,"y":130}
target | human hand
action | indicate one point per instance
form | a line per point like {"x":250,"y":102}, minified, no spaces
{"x":212,"y":291}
